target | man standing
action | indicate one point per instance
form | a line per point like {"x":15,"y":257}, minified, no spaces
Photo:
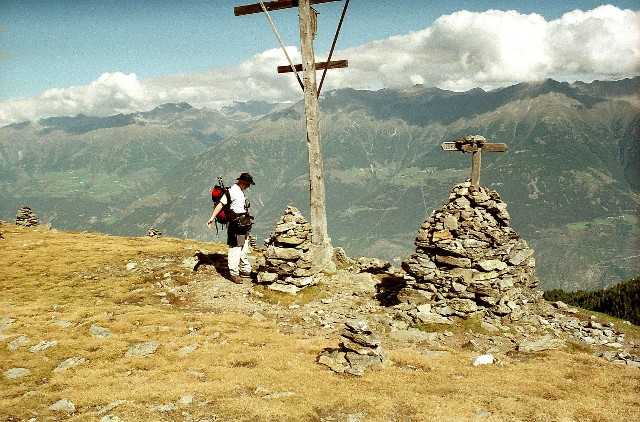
{"x":237,"y":235}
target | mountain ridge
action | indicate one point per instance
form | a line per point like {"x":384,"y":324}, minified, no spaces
{"x":571,"y":158}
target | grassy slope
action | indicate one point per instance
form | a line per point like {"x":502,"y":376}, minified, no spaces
{"x":49,"y":280}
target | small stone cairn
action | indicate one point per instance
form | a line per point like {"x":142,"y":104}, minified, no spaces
{"x":468,"y":260}
{"x":154,"y":232}
{"x":26,"y":217}
{"x":359,"y":349}
{"x":287,"y":260}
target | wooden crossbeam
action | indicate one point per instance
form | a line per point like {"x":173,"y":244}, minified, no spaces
{"x":334,"y":64}
{"x":271,"y":5}
{"x":474,"y":144}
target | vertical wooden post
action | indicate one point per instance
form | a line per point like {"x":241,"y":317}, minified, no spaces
{"x":322,"y":251}
{"x":476,"y":159}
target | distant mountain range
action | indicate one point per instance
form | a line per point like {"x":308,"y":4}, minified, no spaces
{"x":570,"y":174}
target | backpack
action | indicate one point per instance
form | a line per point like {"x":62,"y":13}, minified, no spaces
{"x":217,"y":192}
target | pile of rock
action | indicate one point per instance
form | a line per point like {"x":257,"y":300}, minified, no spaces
{"x":154,"y":232}
{"x":359,"y":349}
{"x":469,"y":260}
{"x":287,"y":259}
{"x":26,"y":217}
{"x":591,"y":333}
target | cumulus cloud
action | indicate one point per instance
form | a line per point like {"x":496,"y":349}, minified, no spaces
{"x":497,"y":48}
{"x":459,"y":51}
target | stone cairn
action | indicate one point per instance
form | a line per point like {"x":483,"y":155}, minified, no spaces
{"x":358,"y":350}
{"x":26,"y":217}
{"x":287,"y":260}
{"x":468,"y":260}
{"x":154,"y":232}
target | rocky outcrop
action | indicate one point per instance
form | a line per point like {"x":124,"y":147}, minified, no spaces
{"x":469,"y":260}
{"x":26,"y":217}
{"x":287,"y":260}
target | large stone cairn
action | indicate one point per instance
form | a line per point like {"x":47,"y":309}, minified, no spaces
{"x":469,"y":260}
{"x":26,"y":217}
{"x":359,"y":349}
{"x":287,"y":263}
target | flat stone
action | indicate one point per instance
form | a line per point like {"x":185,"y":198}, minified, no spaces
{"x":474,"y":243}
{"x":16,"y":373}
{"x":284,"y":288}
{"x":442,"y":235}
{"x":6,"y":322}
{"x":97,"y":331}
{"x":450,"y":222}
{"x":367,"y":340}
{"x":358,"y":327}
{"x":463,"y":305}
{"x":463,"y":275}
{"x":364,"y":361}
{"x":283,"y":227}
{"x":19,"y":342}
{"x":142,"y":349}
{"x":186,"y":350}
{"x":267,"y":277}
{"x":520,"y":256}
{"x":492,"y":265}
{"x":303,"y":272}
{"x":482,"y":276}
{"x":426,"y":308}
{"x":283,"y":253}
{"x":453,"y":261}
{"x":561,"y":305}
{"x":289,"y":240}
{"x":458,"y":287}
{"x":69,"y":363}
{"x":300,"y":281}
{"x":43,"y":345}
{"x":64,"y":405}
{"x":489,"y":327}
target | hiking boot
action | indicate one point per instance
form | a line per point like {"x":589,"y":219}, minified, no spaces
{"x":236,"y":279}
{"x":245,"y":275}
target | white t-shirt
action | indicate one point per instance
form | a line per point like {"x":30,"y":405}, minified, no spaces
{"x":237,"y":199}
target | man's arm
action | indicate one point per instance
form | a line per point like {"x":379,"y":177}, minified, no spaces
{"x":215,"y":212}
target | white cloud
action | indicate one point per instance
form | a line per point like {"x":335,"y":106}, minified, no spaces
{"x":498,"y":48}
{"x":458,"y":52}
{"x":111,"y":93}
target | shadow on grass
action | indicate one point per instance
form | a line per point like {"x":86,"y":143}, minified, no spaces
{"x":217,"y":260}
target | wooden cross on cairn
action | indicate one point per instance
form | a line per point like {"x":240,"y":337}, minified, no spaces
{"x":475,"y":144}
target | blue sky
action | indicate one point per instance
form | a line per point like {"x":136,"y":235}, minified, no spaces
{"x":163,"y":49}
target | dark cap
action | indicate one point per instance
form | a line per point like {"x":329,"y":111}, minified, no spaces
{"x":246,"y":177}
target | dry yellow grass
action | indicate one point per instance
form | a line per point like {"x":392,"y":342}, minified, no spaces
{"x":56,"y":285}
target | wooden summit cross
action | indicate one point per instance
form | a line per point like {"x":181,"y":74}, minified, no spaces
{"x":475,"y":144}
{"x":322,"y":251}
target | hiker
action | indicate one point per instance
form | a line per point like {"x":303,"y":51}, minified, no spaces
{"x":237,"y":229}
